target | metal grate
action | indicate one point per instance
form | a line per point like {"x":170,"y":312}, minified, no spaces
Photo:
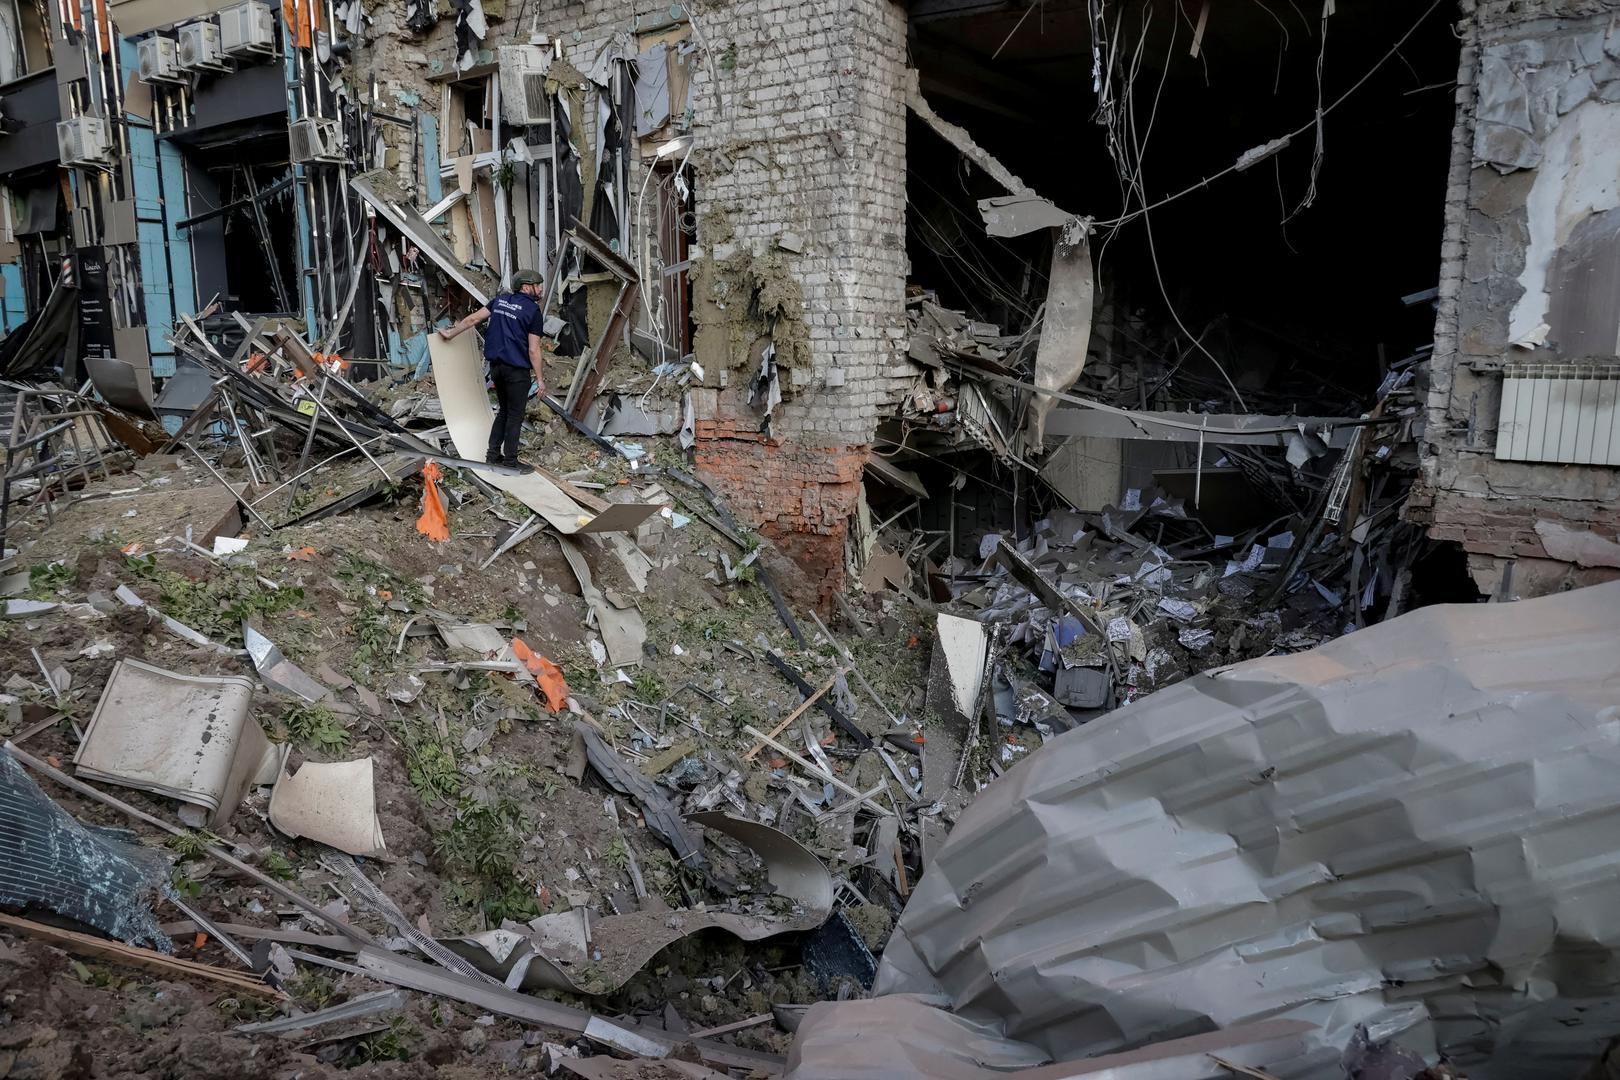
{"x":1560,"y":412}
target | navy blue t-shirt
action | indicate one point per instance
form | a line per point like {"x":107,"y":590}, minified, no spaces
{"x":512,"y":318}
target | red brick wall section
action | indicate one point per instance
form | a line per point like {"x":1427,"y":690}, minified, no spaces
{"x":1508,"y":529}
{"x":798,"y":497}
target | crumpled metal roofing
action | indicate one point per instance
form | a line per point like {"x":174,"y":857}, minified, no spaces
{"x":1415,"y":827}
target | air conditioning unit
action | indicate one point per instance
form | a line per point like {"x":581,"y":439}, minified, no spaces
{"x":158,"y":61}
{"x":248,"y":29}
{"x":199,"y":48}
{"x":82,"y":141}
{"x":523,"y":83}
{"x":316,"y":138}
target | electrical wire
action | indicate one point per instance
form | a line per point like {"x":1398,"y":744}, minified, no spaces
{"x":1208,"y":180}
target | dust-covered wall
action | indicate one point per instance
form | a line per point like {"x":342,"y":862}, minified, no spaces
{"x":1530,"y":276}
{"x":798,"y":116}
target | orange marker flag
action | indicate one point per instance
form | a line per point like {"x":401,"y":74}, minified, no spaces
{"x":553,"y":687}
{"x":432,"y":524}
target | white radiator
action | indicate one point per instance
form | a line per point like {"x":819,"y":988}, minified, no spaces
{"x":1560,"y":412}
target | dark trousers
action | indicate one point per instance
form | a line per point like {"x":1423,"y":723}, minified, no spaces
{"x":511,"y":397}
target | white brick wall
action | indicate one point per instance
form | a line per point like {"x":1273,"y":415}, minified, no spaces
{"x":811,"y":119}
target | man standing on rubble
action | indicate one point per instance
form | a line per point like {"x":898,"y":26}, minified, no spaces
{"x":513,"y":348}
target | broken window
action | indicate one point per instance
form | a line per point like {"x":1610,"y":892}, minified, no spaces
{"x":25,"y":39}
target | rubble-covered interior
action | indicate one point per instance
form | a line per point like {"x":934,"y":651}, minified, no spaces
{"x":1004,"y":576}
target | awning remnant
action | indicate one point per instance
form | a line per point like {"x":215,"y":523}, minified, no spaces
{"x":558,"y":956}
{"x":662,"y":817}
{"x":95,"y":875}
{"x":334,"y":803}
{"x":120,"y":384}
{"x":1065,"y":328}
{"x":189,"y":737}
{"x":1410,"y":827}
{"x":458,"y":373}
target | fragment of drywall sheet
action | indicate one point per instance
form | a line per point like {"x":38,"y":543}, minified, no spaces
{"x":334,"y":803}
{"x":458,"y":374}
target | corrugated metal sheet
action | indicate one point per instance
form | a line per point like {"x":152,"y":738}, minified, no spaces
{"x":1413,"y":827}
{"x":1560,"y":412}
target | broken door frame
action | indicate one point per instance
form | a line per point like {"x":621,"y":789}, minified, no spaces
{"x":592,"y":365}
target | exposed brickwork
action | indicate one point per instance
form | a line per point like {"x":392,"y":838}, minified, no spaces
{"x":1466,"y":495}
{"x":799,"y":120}
{"x":800,"y":497}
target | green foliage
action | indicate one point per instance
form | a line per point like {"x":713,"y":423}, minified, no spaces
{"x":99,"y":977}
{"x":277,"y":865}
{"x":648,"y":687}
{"x":432,"y":768}
{"x":193,"y":844}
{"x":215,"y":606}
{"x":311,"y":989}
{"x":374,"y":632}
{"x":246,"y":1010}
{"x":390,"y":1045}
{"x":46,"y":578}
{"x":188,"y":888}
{"x":368,"y":576}
{"x":315,"y":727}
{"x":484,"y":841}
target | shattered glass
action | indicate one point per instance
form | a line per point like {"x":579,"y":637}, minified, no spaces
{"x":50,"y":860}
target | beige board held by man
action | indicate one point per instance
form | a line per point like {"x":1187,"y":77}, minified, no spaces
{"x":515,"y":350}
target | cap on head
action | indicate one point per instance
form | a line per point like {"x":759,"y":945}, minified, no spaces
{"x":526,"y":277}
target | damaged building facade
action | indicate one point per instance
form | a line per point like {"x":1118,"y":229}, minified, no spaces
{"x":835,"y":247}
{"x":1522,"y":443}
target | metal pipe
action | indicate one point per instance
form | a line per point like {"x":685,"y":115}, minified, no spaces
{"x":260,"y":518}
{"x":303,"y":456}
{"x":322,"y":409}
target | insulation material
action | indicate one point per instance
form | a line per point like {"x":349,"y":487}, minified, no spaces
{"x":1065,"y":328}
{"x":50,"y":861}
{"x":964,"y":643}
{"x":458,"y":373}
{"x":187,"y":737}
{"x":334,"y":803}
{"x":555,"y":954}
{"x":1411,"y":827}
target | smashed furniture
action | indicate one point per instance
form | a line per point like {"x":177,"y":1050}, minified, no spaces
{"x":1408,"y":828}
{"x":187,"y":737}
{"x":52,"y":862}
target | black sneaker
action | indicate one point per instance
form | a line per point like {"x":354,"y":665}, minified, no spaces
{"x":519,"y":466}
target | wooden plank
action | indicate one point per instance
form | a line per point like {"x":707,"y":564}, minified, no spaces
{"x":146,"y":959}
{"x":796,"y":713}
